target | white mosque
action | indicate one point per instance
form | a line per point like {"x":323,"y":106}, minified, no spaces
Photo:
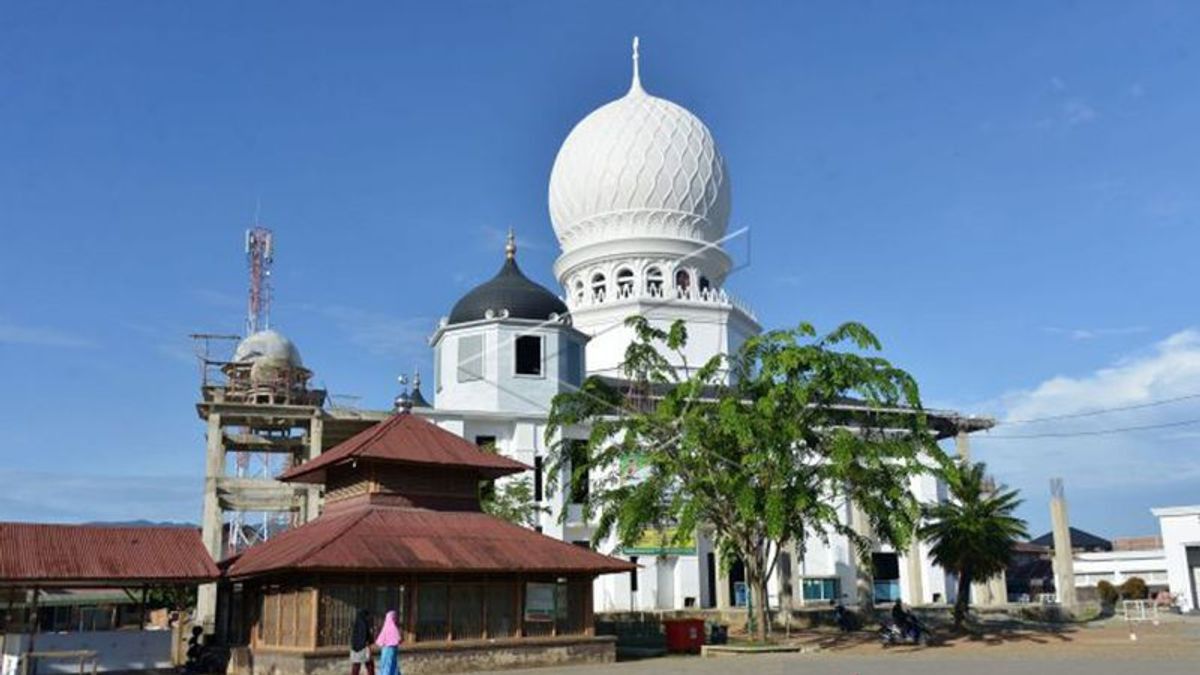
{"x":640,"y":199}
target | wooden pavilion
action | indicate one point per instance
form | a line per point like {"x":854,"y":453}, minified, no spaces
{"x":402,"y":529}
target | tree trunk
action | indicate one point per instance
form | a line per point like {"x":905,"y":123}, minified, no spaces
{"x":964,"y":596}
{"x":758,"y":603}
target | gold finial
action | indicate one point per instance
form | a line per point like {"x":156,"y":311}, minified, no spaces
{"x":510,"y":247}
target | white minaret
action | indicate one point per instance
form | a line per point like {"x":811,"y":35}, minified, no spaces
{"x":640,"y":201}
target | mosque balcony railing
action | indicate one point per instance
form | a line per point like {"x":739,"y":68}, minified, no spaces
{"x":665,"y":294}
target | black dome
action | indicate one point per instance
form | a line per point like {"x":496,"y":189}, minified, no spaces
{"x":510,"y":291}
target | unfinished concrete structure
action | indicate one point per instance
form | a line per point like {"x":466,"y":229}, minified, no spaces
{"x":1064,"y":563}
{"x":262,"y":417}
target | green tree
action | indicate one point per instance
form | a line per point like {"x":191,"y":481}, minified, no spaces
{"x":512,"y":501}
{"x":765,"y":446}
{"x":1108,"y":594}
{"x":1134,"y":589}
{"x":973,"y":533}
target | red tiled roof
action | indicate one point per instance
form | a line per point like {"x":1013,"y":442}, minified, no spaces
{"x":408,"y":439}
{"x":392,"y":539}
{"x":92,"y":554}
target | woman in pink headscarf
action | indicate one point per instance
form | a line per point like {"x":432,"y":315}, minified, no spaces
{"x":389,"y":646}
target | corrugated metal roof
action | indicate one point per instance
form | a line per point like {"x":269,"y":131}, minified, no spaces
{"x":393,"y":539}
{"x":94,"y":554}
{"x":409,"y":439}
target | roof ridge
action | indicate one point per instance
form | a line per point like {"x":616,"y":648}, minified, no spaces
{"x":376,"y":431}
{"x":354,"y":520}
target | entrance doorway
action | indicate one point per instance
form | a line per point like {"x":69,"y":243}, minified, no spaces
{"x":710,"y":562}
{"x":739,"y":593}
{"x":1193,"y":564}
{"x":885,"y":571}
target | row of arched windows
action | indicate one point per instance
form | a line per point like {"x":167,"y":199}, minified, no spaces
{"x":626,"y":281}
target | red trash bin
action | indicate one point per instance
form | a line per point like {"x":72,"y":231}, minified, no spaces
{"x":684,"y":636}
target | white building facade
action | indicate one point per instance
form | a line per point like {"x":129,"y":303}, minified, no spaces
{"x":640,"y":200}
{"x":1180,"y":526}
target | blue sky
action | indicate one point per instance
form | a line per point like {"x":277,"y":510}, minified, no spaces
{"x":1005,"y":194}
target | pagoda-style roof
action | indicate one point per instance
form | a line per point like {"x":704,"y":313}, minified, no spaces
{"x":405,"y":438}
{"x":371,"y":538}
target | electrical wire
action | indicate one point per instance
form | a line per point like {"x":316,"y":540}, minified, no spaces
{"x":1097,"y":432}
{"x":1100,"y":411}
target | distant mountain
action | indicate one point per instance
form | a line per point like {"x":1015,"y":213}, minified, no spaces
{"x":141,"y":523}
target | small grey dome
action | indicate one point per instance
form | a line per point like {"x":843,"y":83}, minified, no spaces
{"x":267,"y":345}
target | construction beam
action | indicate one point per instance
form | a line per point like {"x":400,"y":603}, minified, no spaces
{"x":236,"y":502}
{"x":247,"y":442}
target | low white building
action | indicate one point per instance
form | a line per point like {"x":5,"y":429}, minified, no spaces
{"x":1116,"y":567}
{"x":1180,"y":526}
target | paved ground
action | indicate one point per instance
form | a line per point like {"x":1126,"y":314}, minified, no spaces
{"x":1098,"y":649}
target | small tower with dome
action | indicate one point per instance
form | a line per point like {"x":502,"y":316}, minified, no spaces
{"x":507,"y":345}
{"x":640,"y":200}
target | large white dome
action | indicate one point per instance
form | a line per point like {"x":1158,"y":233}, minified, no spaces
{"x":640,"y":166}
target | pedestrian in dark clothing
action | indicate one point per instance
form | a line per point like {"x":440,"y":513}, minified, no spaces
{"x":360,"y":644}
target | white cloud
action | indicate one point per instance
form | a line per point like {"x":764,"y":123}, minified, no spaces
{"x":1076,"y":111}
{"x":40,"y":336}
{"x":1136,"y":460}
{"x":1093,"y":333}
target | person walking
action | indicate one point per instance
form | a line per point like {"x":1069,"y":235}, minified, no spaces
{"x":360,"y":644}
{"x":389,"y":646}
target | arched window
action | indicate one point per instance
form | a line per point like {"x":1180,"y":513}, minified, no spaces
{"x":704,"y":285}
{"x":683,"y":282}
{"x":598,"y":286}
{"x":625,"y":281}
{"x":654,"y":281}
{"x":579,"y":290}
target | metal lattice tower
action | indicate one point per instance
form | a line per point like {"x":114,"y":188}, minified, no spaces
{"x":260,"y":256}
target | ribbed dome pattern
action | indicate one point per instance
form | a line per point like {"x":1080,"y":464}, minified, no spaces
{"x":639,"y":166}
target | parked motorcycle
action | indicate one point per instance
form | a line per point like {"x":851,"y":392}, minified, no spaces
{"x":914,"y":633}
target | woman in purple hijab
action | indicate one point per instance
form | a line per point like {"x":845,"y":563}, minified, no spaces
{"x":389,"y":646}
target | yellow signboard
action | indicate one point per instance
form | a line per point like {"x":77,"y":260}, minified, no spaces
{"x":661,"y":542}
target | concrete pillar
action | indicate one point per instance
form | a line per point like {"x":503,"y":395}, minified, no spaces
{"x":312,"y":497}
{"x":916,"y":581}
{"x":723,"y":600}
{"x":998,"y":589}
{"x":962,"y":445}
{"x":864,"y":578}
{"x":1064,"y":563}
{"x":212,"y":522}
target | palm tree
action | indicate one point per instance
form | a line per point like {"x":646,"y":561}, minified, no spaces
{"x":972,"y":534}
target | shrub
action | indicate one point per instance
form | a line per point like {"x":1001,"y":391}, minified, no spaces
{"x":1107,"y":593}
{"x":1134,"y":589}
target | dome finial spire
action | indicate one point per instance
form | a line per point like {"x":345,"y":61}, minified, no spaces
{"x":510,"y":246}
{"x":636,"y":85}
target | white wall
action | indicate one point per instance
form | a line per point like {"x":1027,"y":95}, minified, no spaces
{"x":116,"y":649}
{"x":1117,"y":566}
{"x":712,"y":329}
{"x":1180,"y":526}
{"x":501,"y":389}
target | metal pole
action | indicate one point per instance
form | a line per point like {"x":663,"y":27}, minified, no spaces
{"x":27,"y":667}
{"x":142,"y":613}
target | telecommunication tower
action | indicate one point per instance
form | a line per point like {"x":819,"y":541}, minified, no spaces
{"x":260,"y":256}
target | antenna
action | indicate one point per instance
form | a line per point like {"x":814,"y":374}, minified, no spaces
{"x":260,"y":255}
